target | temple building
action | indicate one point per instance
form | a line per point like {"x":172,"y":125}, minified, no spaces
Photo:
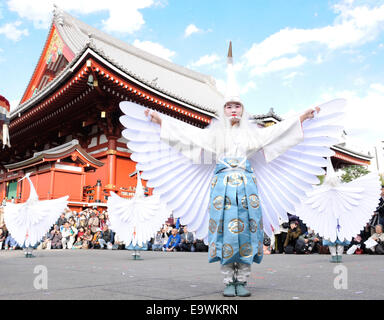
{"x":66,"y":129}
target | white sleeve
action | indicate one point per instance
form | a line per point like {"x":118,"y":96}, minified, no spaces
{"x":278,"y":138}
{"x":187,"y":139}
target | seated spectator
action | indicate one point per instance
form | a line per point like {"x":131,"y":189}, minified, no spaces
{"x":61,"y":220}
{"x":93,"y":222}
{"x":79,"y":243}
{"x":165,"y":235}
{"x":45,"y":243}
{"x":95,"y":244}
{"x":356,"y":246}
{"x":200,"y":246}
{"x":280,"y":235}
{"x":118,"y":244}
{"x":10,"y":243}
{"x":55,"y":238}
{"x":87,"y":239}
{"x":158,"y":243}
{"x":311,"y":241}
{"x":106,"y":238}
{"x":83,"y":221}
{"x":187,"y":241}
{"x":173,"y":241}
{"x":68,"y":234}
{"x":378,"y":236}
{"x":2,"y":238}
{"x":81,"y":232}
{"x":102,"y":221}
{"x":293,"y":235}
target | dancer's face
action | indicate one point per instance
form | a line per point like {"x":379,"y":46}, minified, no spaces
{"x":234,"y":111}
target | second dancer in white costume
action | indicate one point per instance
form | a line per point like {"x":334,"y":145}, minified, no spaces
{"x":339,"y":211}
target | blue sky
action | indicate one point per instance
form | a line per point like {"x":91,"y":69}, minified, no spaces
{"x":289,"y":55}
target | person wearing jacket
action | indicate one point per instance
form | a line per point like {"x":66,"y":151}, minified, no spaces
{"x":293,"y":235}
{"x":173,"y":241}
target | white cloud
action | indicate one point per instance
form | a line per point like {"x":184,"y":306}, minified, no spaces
{"x":155,"y":49}
{"x":354,"y":26}
{"x":191,"y":29}
{"x":208,"y":59}
{"x":247,"y":87}
{"x":279,"y":64}
{"x":123,"y":16}
{"x":363,"y":120}
{"x":288,"y":79}
{"x":12,"y":32}
{"x":378,"y":87}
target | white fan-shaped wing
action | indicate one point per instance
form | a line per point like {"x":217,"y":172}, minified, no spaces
{"x":341,"y":211}
{"x":285,"y":180}
{"x":28,"y":222}
{"x":136,"y":220}
{"x":180,"y":184}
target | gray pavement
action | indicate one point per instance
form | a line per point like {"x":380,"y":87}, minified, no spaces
{"x":114,"y":275}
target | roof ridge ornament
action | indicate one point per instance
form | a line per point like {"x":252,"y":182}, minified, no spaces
{"x":58,"y":14}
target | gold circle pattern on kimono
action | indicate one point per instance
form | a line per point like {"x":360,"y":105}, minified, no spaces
{"x":218,"y":202}
{"x":221,"y":226}
{"x":246,"y":250}
{"x":244,"y":202}
{"x":212,"y":250}
{"x":254,"y":180}
{"x":214,"y":182}
{"x":227,"y":203}
{"x":235,"y":179}
{"x":254,"y":201}
{"x":260,"y":249}
{"x":252,"y":225}
{"x":236,"y":226}
{"x":227,"y":251}
{"x":212,"y":225}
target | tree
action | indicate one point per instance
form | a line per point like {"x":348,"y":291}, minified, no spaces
{"x":353,"y":172}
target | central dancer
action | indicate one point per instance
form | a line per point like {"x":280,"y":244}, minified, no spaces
{"x":248,"y":175}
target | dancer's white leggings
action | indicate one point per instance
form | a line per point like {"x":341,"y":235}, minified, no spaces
{"x":336,"y":250}
{"x":235,"y":272}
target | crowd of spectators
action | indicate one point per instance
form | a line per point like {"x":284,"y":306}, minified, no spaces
{"x":89,"y":229}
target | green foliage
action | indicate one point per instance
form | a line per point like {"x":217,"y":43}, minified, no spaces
{"x":353,"y":172}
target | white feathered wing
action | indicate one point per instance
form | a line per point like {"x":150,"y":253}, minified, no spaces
{"x":337,"y":210}
{"x":179,"y":183}
{"x":285,"y":180}
{"x":136,"y":220}
{"x":28,"y":222}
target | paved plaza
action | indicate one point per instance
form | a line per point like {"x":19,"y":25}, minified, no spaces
{"x":114,"y":275}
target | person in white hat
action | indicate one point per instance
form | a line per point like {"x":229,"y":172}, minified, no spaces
{"x":254,"y":176}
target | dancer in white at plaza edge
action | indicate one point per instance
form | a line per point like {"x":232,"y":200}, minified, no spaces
{"x":29,"y":222}
{"x":136,"y":220}
{"x":231,"y":181}
{"x":339,"y":211}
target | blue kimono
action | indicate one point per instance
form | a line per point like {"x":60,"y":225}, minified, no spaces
{"x":236,"y":224}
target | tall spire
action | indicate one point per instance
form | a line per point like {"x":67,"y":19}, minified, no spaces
{"x":232,"y":92}
{"x":230,"y":56}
